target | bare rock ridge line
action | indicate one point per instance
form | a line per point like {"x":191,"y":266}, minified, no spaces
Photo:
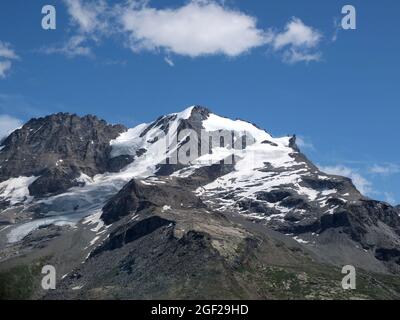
{"x":58,"y":148}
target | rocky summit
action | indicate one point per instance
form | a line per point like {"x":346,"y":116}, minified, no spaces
{"x":190,"y":206}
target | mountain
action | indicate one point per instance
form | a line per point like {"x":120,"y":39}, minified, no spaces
{"x":192,"y":205}
{"x":58,"y":149}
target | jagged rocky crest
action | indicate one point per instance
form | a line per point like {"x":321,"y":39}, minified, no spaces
{"x":58,"y":149}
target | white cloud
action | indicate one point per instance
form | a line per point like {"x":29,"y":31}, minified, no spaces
{"x":169,"y":61}
{"x":4,"y":67}
{"x":337,"y":28}
{"x":75,"y":46}
{"x":91,"y":22}
{"x":303,"y":143}
{"x":362,"y":184}
{"x":6,"y":52}
{"x":293,"y":56}
{"x":8,"y":124}
{"x":87,"y":16}
{"x":195,"y":29}
{"x":387,"y":169}
{"x":297,"y":34}
{"x":6,"y":55}
{"x":297,"y":41}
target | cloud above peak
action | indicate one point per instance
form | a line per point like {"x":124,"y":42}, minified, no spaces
{"x":75,"y":46}
{"x":87,"y":15}
{"x":361,"y":183}
{"x":297,"y":35}
{"x":4,"y":67}
{"x":385,"y":169}
{"x":298,"y":42}
{"x":197,"y":28}
{"x":91,"y":20}
{"x":6,"y":51}
{"x":7,"y":54}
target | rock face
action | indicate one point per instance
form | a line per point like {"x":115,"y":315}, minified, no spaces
{"x":238,"y":221}
{"x":140,"y":195}
{"x":58,"y":148}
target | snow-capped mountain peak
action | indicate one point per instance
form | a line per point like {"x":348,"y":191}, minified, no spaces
{"x":189,"y":186}
{"x":63,"y":168}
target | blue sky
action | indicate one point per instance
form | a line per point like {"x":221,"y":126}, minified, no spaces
{"x":285,"y":65}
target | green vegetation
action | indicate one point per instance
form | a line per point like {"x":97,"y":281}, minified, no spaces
{"x":318,"y":282}
{"x":20,"y":282}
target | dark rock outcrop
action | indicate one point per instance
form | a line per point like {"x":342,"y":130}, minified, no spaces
{"x":137,"y":196}
{"x":132,"y":232}
{"x":340,"y":184}
{"x":293,"y":144}
{"x":253,"y":206}
{"x":372,"y":224}
{"x":297,"y":202}
{"x":274,"y":196}
{"x":58,"y":148}
{"x":388,"y":255}
{"x":120,"y":162}
{"x":53,"y":181}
